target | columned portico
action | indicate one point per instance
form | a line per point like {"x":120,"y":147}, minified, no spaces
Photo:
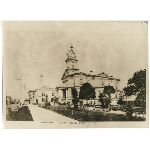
{"x":64,"y":94}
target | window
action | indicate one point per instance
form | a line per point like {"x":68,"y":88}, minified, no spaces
{"x":33,"y":96}
{"x":72,"y":66}
{"x":42,"y":93}
{"x":81,"y":81}
{"x":53,"y":94}
{"x":103,"y":83}
{"x":42,"y":99}
{"x":74,"y":82}
{"x":33,"y":93}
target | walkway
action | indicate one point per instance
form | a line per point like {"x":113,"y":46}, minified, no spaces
{"x":44,"y":115}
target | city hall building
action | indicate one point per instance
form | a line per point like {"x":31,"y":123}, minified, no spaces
{"x":72,"y":77}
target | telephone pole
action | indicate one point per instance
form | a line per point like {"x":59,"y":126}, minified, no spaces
{"x":41,"y":79}
{"x":24,"y":91}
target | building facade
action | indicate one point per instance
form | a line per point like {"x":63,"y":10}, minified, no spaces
{"x":44,"y":94}
{"x":32,"y":97}
{"x":72,"y":77}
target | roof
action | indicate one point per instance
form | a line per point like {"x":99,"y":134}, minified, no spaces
{"x":45,"y":88}
{"x":102,"y":75}
{"x":32,"y":91}
{"x":129,"y":98}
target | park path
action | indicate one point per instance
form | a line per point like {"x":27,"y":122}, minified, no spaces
{"x":44,"y":115}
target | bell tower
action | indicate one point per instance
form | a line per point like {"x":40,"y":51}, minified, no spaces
{"x":71,"y":63}
{"x":71,"y":60}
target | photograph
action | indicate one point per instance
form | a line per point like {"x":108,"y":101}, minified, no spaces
{"x":75,"y":74}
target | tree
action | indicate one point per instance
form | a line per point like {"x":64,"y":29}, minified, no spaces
{"x":87,"y":91}
{"x":120,"y":101}
{"x":108,"y":90}
{"x":105,"y":97}
{"x":56,"y":99}
{"x":140,"y":100}
{"x":102,"y":99}
{"x":75,"y":98}
{"x":137,"y":86}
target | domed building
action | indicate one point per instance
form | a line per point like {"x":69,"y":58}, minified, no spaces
{"x":72,"y":77}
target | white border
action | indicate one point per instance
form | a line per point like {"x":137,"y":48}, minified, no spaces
{"x":79,"y":138}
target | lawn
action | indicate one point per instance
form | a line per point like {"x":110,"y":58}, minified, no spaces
{"x":22,"y":114}
{"x":86,"y":115}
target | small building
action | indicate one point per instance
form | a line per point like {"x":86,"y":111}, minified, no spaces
{"x":129,"y":99}
{"x":44,"y":94}
{"x":27,"y":101}
{"x":8,"y":99}
{"x":32,"y":97}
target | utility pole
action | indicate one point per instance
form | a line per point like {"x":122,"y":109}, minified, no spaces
{"x":41,"y":79}
{"x":24,"y":91}
{"x":41,"y":87}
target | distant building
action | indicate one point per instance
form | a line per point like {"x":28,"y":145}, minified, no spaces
{"x":8,"y":99}
{"x":44,"y":94}
{"x":32,"y":97}
{"x":129,"y":99}
{"x":72,"y":77}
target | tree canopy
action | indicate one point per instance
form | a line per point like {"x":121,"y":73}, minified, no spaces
{"x":105,"y":97}
{"x":137,"y":86}
{"x":108,"y":90}
{"x":87,"y":91}
{"x":75,"y":97}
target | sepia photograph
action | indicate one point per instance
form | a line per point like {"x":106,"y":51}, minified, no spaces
{"x":75,"y":74}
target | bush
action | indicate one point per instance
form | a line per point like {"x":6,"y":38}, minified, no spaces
{"x":47,"y":103}
{"x":58,"y":108}
{"x":55,"y":99}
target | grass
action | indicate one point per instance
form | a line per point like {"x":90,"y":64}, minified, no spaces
{"x":23,"y":114}
{"x":87,"y":115}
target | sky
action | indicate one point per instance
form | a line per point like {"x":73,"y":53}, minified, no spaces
{"x":33,"y":48}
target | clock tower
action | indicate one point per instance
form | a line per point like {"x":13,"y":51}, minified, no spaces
{"x":71,"y":60}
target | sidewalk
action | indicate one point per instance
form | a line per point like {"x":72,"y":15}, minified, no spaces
{"x":43,"y":115}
